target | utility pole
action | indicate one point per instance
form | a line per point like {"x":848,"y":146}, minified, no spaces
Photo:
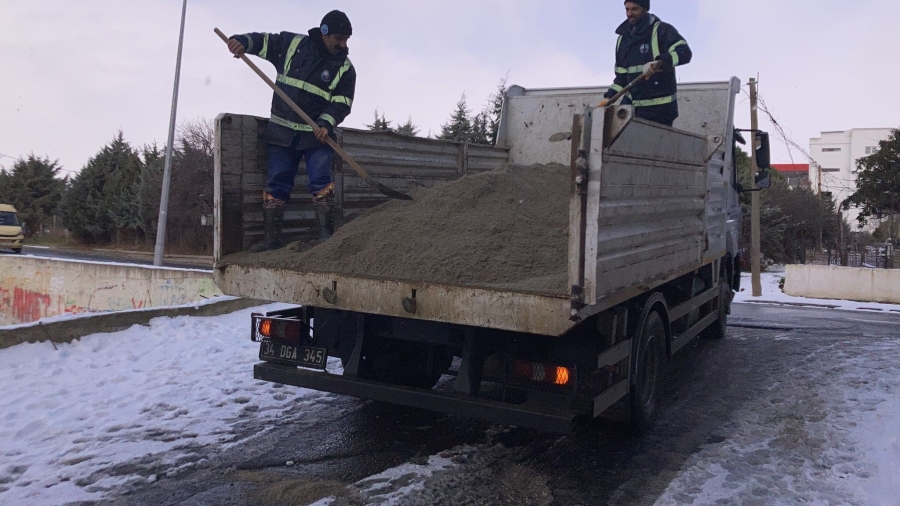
{"x":842,"y":248}
{"x":754,"y":215}
{"x":167,"y":173}
{"x":819,"y":236}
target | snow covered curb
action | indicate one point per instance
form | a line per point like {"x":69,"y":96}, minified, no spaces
{"x":114,"y":410}
{"x":119,"y":264}
{"x":80,"y":316}
{"x":67,"y":328}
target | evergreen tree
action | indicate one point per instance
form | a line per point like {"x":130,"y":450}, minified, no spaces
{"x":121,"y":190}
{"x":82,"y":207}
{"x":380,"y":123}
{"x":33,"y":188}
{"x":494,"y":109}
{"x":480,"y":130}
{"x":878,"y":181}
{"x":150,"y":188}
{"x":101,"y":200}
{"x":408,"y":129}
{"x":459,"y":128}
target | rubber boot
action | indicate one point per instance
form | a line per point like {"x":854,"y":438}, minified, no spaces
{"x":274,"y":222}
{"x":325,"y":217}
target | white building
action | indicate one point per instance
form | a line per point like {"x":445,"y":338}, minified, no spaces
{"x":836,"y":154}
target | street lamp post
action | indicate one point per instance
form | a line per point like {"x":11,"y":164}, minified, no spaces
{"x":167,"y":173}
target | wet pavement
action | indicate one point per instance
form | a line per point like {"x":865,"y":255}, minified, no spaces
{"x":710,"y":384}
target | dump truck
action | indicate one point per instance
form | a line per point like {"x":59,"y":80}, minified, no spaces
{"x":654,"y":219}
{"x":12,"y":231}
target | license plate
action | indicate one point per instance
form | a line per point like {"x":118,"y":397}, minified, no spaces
{"x":291,"y":354}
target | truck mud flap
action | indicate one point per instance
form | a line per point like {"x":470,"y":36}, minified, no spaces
{"x":524,"y":415}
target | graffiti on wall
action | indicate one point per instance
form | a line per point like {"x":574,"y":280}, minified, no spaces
{"x":24,"y":305}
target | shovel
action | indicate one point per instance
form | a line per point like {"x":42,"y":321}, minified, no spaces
{"x":394,"y":194}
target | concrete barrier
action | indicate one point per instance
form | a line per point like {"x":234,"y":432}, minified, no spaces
{"x":32,"y":288}
{"x":843,"y":283}
{"x":70,"y":329}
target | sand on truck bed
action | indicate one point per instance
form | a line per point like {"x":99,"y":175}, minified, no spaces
{"x":504,"y":229}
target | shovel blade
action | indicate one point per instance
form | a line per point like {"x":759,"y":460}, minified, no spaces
{"x":394,"y":194}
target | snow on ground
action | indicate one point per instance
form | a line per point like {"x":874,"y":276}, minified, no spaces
{"x":117,"y":409}
{"x":774,"y":295}
{"x":827,"y":435}
{"x":391,"y":487}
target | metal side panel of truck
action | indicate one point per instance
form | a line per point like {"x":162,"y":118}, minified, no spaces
{"x":653,"y":225}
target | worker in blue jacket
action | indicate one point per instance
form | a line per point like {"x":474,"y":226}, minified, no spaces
{"x":652,"y":48}
{"x":315,"y":72}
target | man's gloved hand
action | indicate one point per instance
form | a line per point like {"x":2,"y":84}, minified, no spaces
{"x":236,"y":48}
{"x":652,"y":68}
{"x":321,"y":134}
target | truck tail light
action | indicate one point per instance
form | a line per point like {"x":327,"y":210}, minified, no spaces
{"x":278,"y":329}
{"x":541,"y":373}
{"x":265,"y":328}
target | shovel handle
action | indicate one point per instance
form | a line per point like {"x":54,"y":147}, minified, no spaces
{"x":626,"y":89}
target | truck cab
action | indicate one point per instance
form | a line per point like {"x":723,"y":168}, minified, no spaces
{"x":12,"y":231}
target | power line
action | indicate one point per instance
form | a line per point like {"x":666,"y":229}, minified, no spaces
{"x":20,"y":159}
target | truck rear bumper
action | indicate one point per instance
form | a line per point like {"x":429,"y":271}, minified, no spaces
{"x":536,"y":417}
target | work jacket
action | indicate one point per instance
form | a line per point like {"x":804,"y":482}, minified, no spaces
{"x":648,"y":41}
{"x":322,"y":84}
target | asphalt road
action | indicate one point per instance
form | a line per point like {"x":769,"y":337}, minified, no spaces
{"x":710,"y":383}
{"x":183,"y":262}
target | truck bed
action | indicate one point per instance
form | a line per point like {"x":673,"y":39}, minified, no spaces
{"x":504,"y":229}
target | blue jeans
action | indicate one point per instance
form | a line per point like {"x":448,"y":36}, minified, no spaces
{"x":284,"y":162}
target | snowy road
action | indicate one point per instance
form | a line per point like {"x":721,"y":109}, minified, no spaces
{"x":797,"y":405}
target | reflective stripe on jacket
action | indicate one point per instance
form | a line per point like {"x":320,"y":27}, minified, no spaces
{"x":322,"y":84}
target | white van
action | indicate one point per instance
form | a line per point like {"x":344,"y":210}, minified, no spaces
{"x":12,"y":232}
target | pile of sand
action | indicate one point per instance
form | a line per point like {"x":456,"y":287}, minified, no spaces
{"x":507,"y":229}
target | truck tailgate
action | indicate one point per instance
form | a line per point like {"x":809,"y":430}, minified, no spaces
{"x":531,"y":313}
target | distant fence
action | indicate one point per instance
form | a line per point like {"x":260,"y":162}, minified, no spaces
{"x":885,"y":259}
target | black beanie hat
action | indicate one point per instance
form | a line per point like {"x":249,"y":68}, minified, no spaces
{"x":643,"y":3}
{"x":336,"y":23}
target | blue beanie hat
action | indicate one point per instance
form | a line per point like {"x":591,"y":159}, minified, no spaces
{"x":336,"y":23}
{"x":643,"y":3}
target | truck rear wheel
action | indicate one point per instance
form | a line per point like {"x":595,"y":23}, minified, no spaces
{"x":718,"y":329}
{"x":648,"y":369}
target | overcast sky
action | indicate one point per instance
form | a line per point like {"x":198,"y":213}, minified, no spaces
{"x":74,"y":73}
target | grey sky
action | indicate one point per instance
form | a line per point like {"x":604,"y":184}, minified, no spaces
{"x":77,"y":72}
